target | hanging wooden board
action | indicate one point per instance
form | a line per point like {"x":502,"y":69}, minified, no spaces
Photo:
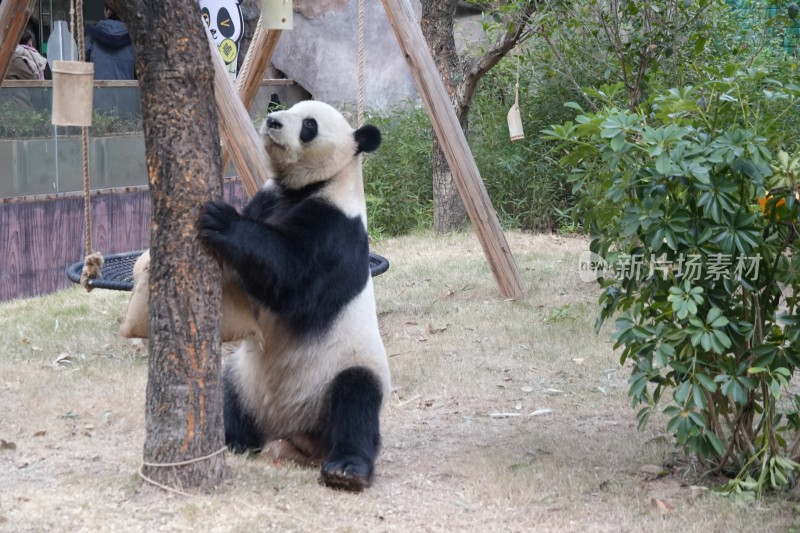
{"x":277,"y":14}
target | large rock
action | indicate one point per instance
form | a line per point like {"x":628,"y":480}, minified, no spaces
{"x":321,"y":54}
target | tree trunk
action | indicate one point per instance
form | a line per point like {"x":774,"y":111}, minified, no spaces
{"x":461,"y":77}
{"x":184,"y":393}
{"x":449,"y":212}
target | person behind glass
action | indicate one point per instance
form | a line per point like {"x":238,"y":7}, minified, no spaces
{"x":109,"y":47}
{"x":26,"y":64}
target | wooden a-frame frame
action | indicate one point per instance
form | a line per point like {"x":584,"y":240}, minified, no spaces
{"x":241,"y":140}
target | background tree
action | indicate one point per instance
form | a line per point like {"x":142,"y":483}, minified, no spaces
{"x":643,"y":44}
{"x":184,"y":403}
{"x":461,"y":74}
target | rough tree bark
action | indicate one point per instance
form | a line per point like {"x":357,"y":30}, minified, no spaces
{"x":437,"y":22}
{"x":461,"y":76}
{"x":184,"y":394}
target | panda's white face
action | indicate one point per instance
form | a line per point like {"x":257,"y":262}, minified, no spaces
{"x":308,"y":143}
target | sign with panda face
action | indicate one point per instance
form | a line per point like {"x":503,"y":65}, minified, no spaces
{"x":226,"y":24}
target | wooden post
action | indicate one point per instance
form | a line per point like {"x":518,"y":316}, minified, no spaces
{"x":14,"y":15}
{"x":454,"y":144}
{"x":236,"y":128}
{"x":261,"y":48}
{"x":255,"y":64}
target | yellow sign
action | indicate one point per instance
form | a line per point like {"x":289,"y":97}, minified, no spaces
{"x":227,"y":49}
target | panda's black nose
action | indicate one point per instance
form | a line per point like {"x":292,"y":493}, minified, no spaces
{"x":273,"y":124}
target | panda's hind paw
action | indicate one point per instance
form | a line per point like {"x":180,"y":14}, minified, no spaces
{"x":350,"y":473}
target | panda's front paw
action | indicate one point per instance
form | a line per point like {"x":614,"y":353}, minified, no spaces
{"x":216,"y":220}
{"x":347,"y":472}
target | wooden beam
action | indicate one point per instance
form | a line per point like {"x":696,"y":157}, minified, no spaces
{"x":456,"y":150}
{"x":14,"y":16}
{"x":236,"y":128}
{"x":255,"y":63}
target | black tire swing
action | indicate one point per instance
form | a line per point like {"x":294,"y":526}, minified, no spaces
{"x":116,"y":272}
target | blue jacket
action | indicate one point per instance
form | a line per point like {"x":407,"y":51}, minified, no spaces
{"x":109,"y":47}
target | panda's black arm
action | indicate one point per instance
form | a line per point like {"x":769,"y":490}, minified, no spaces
{"x":306,"y":265}
{"x":260,"y":254}
{"x":263,"y":204}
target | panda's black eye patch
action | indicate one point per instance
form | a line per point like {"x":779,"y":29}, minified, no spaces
{"x":309,"y":130}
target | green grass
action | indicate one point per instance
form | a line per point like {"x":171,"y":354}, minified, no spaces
{"x":458,"y":353}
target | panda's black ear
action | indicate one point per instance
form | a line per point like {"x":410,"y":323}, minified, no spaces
{"x":368,"y":138}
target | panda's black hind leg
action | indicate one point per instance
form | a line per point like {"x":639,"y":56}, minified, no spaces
{"x":354,"y":425}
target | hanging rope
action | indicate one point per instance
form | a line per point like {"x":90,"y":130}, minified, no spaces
{"x":248,"y":59}
{"x":71,"y":28}
{"x":93,"y":261}
{"x":360,"y":108}
{"x":516,"y":85}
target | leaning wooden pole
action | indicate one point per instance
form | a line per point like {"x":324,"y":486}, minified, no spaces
{"x":14,"y":15}
{"x":255,"y":64}
{"x":456,"y":150}
{"x":236,"y":128}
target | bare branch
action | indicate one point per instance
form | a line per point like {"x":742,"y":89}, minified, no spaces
{"x":567,"y":72}
{"x":519,"y":31}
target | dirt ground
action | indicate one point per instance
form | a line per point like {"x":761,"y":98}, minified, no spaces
{"x":505,"y":416}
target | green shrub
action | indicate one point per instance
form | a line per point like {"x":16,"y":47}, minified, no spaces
{"x":21,"y":122}
{"x":17,"y":122}
{"x":704,"y":279}
{"x":526,"y":185}
{"x":397,"y":180}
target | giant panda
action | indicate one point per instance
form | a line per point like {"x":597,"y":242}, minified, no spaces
{"x":310,"y":385}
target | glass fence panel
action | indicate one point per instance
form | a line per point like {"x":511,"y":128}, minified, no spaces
{"x":38,"y":158}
